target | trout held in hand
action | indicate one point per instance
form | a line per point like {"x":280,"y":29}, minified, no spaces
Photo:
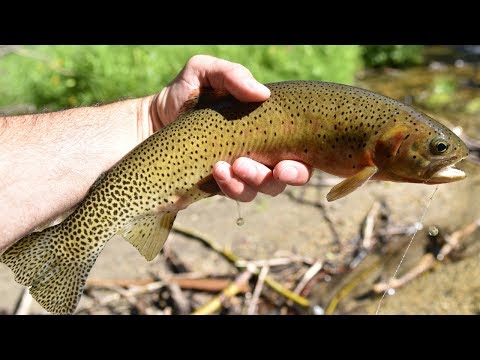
{"x":342,"y":130}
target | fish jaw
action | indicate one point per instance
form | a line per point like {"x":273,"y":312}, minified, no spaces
{"x":445,"y":171}
{"x":446,"y":175}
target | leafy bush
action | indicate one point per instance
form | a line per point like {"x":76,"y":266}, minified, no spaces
{"x":392,"y":55}
{"x":55,"y":77}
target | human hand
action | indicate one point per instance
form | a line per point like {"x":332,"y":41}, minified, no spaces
{"x":245,"y":177}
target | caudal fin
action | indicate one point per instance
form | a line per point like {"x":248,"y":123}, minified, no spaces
{"x":55,"y":274}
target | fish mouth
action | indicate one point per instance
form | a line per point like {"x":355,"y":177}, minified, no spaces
{"x":445,"y":171}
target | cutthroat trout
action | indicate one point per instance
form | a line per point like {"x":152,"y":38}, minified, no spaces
{"x":342,"y":130}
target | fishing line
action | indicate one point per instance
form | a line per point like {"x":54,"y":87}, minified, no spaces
{"x":406,"y":250}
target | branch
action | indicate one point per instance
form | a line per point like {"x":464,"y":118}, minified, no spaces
{"x":234,"y":259}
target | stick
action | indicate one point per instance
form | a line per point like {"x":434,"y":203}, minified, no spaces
{"x":428,"y":261}
{"x":181,"y":302}
{"x":368,"y":241}
{"x":108,"y":283}
{"x":348,"y":288}
{"x":252,"y":307}
{"x":266,"y":262}
{"x":202,"y":284}
{"x":232,"y":290}
{"x":232,"y":258}
{"x":453,"y":241}
{"x":311,"y":272}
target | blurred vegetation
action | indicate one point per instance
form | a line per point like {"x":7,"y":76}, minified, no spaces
{"x":57,"y":77}
{"x":441,"y":92}
{"x":392,"y":55}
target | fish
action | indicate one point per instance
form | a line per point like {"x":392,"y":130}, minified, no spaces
{"x":343,"y":130}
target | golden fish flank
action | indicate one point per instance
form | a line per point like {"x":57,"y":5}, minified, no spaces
{"x":343,"y":130}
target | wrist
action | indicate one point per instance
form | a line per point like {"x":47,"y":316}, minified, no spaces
{"x":149,"y":119}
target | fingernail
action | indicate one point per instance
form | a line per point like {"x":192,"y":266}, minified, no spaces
{"x":243,"y":168}
{"x":258,"y":87}
{"x":288,"y":174}
{"x":221,"y":171}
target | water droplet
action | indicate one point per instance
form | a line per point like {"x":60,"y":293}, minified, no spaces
{"x":391,"y":291}
{"x":433,"y":231}
{"x":240,"y":220}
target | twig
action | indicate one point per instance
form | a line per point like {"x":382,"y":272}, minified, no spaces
{"x":428,"y":261}
{"x":282,"y":290}
{"x":182,"y":304}
{"x":453,"y":240}
{"x":232,"y":290}
{"x":368,"y":242}
{"x":311,"y":272}
{"x":252,"y":307}
{"x":24,"y":303}
{"x":266,"y":262}
{"x":134,"y":291}
{"x":348,"y":288}
{"x":202,"y":284}
{"x":232,"y":258}
{"x":366,"y":238}
{"x":108,"y":283}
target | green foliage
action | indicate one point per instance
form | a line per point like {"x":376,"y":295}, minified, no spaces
{"x":442,"y":92}
{"x":392,"y":55}
{"x":56,"y":77}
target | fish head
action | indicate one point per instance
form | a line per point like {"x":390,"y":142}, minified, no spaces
{"x":420,"y":151}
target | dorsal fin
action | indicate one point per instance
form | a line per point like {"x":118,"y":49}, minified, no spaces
{"x":203,"y":98}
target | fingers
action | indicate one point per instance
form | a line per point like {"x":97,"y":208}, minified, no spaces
{"x":205,"y":71}
{"x":257,"y":176}
{"x":230,"y":184}
{"x":292,"y":172}
{"x":246,"y":177}
{"x":208,"y":71}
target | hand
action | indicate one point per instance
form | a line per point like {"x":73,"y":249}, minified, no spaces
{"x":245,"y":177}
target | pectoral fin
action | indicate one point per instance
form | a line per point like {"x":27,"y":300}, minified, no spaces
{"x":351,"y":184}
{"x":149,"y":232}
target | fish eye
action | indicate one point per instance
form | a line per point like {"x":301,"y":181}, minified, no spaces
{"x":438,"y":146}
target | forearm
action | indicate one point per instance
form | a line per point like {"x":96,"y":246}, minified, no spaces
{"x":49,"y":161}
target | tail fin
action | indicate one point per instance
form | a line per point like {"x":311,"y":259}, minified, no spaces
{"x":55,"y":274}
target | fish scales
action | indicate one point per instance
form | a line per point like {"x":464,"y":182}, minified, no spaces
{"x":343,"y":130}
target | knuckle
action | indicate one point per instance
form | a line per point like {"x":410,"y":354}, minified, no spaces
{"x":198,"y":59}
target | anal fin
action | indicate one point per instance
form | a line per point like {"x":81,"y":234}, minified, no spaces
{"x":149,"y":232}
{"x":352,"y":183}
